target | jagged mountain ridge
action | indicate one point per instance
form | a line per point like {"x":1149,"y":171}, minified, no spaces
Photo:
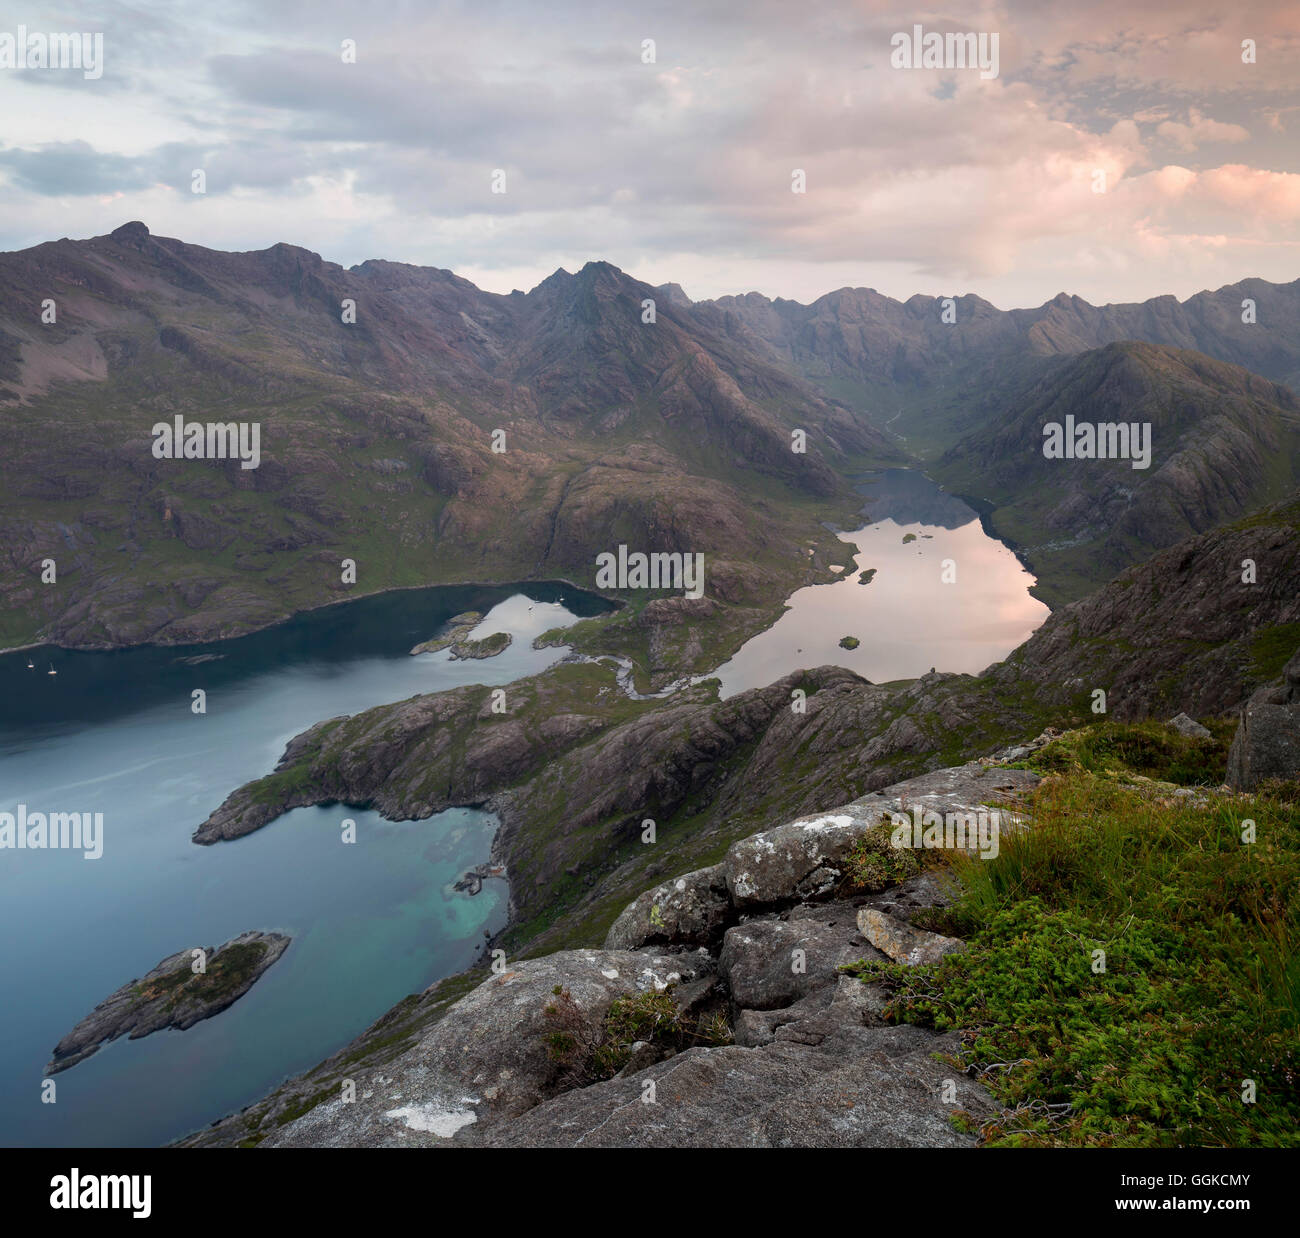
{"x":376,"y":437}
{"x":674,"y":436}
{"x":900,"y":357}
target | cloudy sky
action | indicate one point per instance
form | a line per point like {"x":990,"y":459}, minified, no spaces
{"x":931,"y":180}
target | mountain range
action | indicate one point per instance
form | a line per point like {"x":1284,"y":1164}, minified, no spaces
{"x":432,"y":432}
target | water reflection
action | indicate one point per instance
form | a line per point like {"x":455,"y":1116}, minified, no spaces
{"x":943,"y":595}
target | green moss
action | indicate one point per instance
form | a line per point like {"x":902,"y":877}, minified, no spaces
{"x":306,"y":1104}
{"x":226,"y":972}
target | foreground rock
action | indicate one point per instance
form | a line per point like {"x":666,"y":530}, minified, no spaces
{"x":1267,"y":743}
{"x":1188,"y":727}
{"x":858,"y":1087}
{"x":903,"y":943}
{"x":172,"y":995}
{"x":487,"y":1061}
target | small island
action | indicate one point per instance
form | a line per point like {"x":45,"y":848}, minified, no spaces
{"x":864,"y":578}
{"x":457,"y":639}
{"x":461,"y":626}
{"x":488,"y":647}
{"x":908,"y":537}
{"x":172,"y":995}
{"x":849,"y":642}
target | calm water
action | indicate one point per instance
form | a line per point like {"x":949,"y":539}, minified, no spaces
{"x":371,"y":922}
{"x":907,"y":619}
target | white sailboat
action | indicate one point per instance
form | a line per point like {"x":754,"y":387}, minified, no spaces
{"x":51,"y":671}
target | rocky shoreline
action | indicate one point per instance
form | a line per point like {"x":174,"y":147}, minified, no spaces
{"x":172,"y":995}
{"x":456,"y":639}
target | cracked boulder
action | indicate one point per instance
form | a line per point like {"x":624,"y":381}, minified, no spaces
{"x":772,"y":963}
{"x":1267,"y":743}
{"x":859,"y":1087}
{"x":801,"y":860}
{"x":690,"y":910}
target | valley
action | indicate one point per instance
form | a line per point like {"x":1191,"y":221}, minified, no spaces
{"x":507,"y":610}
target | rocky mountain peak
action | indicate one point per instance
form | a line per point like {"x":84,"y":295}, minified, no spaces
{"x":133,"y":233}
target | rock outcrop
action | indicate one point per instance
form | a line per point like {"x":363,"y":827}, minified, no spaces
{"x":1188,"y":727}
{"x":172,"y":995}
{"x":1267,"y":743}
{"x":458,"y":629}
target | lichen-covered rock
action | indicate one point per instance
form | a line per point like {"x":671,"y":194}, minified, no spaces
{"x":805,"y":859}
{"x":806,"y":1037}
{"x":903,"y":943}
{"x":689,"y":910}
{"x":859,"y":1087}
{"x":487,"y":1060}
{"x":773,"y":963}
{"x":801,"y":860}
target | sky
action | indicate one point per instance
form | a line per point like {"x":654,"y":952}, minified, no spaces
{"x":676,"y":160}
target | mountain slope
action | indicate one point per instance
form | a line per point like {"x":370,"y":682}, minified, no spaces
{"x":575,"y":768}
{"x":1180,"y":632}
{"x":1222,"y":442}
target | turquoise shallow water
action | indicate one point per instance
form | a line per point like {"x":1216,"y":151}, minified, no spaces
{"x":371,"y":922}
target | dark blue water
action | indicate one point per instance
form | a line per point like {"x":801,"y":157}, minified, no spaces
{"x":371,"y":922}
